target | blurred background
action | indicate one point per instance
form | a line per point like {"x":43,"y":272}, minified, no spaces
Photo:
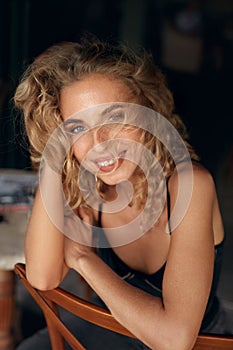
{"x":192,"y":42}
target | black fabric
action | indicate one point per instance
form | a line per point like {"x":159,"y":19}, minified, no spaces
{"x":152,"y":283}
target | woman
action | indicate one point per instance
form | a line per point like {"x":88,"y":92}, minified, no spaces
{"x":154,"y":263}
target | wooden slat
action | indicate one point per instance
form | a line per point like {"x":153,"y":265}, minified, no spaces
{"x":97,"y":315}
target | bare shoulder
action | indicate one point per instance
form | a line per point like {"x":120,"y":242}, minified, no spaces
{"x":192,"y":197}
{"x":199,"y":177}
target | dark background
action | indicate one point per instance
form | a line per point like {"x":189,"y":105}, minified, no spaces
{"x":197,"y":60}
{"x":203,"y":95}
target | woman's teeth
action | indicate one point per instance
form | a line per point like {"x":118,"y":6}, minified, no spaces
{"x":111,"y":161}
{"x":108,"y":162}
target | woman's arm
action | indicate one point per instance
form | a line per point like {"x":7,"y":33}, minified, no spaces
{"x":44,"y":244}
{"x":174,"y":322}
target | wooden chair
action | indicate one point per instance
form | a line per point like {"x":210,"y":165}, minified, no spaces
{"x":50,"y":300}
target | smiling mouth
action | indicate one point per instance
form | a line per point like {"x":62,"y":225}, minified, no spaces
{"x":109,"y":162}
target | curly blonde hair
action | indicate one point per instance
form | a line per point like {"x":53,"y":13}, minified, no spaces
{"x":38,"y":97}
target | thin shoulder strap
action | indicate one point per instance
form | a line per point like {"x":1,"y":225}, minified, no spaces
{"x":95,"y":230}
{"x":168,"y":196}
{"x":100,"y":215}
{"x":168,"y":206}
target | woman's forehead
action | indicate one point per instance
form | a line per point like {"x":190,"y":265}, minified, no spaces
{"x":93,"y":90}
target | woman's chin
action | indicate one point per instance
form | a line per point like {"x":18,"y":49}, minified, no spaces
{"x":122,"y":173}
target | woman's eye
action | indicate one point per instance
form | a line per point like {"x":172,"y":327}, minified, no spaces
{"x":119,"y":117}
{"x":77,"y":129}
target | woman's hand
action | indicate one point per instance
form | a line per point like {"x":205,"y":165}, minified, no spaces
{"x":73,"y":249}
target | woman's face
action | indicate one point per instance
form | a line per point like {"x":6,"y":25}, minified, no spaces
{"x":99,"y":143}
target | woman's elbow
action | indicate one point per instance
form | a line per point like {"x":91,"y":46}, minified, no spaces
{"x":179,"y":339}
{"x":43,"y":281}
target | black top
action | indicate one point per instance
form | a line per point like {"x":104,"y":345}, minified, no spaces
{"x":152,"y":283}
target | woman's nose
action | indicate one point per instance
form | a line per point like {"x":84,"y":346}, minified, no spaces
{"x":100,"y":135}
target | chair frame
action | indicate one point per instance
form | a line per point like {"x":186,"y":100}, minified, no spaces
{"x":50,"y":300}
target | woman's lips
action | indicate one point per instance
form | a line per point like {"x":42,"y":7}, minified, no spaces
{"x":109,"y":164}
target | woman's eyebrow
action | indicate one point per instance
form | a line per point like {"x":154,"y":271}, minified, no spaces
{"x":72,"y":121}
{"x":107,"y":110}
{"x":111,"y":108}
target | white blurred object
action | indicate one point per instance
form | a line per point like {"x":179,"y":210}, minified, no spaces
{"x":12,"y":235}
{"x":17,"y":188}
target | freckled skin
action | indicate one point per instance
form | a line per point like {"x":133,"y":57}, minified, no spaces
{"x":92,"y":91}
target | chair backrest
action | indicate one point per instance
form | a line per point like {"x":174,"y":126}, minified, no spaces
{"x":49,"y":301}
